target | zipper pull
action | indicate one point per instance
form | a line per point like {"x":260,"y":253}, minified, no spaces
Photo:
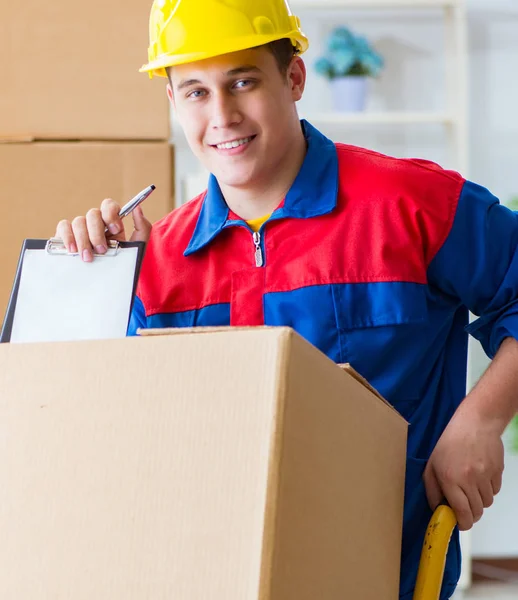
{"x":258,"y":250}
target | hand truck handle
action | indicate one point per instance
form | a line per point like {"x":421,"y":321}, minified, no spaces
{"x":433,"y":554}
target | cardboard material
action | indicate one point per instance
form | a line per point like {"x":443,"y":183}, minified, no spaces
{"x":224,"y":465}
{"x":42,"y":183}
{"x":70,"y":71}
{"x":350,"y":369}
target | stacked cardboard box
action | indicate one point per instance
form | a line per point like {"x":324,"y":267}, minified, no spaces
{"x":78,"y":122}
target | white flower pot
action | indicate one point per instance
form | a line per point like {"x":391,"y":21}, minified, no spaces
{"x":349,"y":93}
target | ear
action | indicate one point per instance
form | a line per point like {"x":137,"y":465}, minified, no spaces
{"x":297,"y":77}
{"x":170,"y":95}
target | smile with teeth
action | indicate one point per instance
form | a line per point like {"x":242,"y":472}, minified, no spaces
{"x":234,"y":144}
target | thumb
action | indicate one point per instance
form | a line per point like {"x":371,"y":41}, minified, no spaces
{"x":434,"y":492}
{"x":142,"y":227}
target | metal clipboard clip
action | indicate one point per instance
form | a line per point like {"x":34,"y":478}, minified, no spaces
{"x":56,"y":247}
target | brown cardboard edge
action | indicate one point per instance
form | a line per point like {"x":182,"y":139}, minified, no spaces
{"x":17,"y":140}
{"x":270,"y":522}
{"x":199,"y":330}
{"x":347,"y":368}
{"x":28,"y":139}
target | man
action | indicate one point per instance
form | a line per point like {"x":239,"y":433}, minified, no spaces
{"x":375,"y":260}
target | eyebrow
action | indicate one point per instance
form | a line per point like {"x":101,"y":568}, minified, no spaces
{"x":232,"y":73}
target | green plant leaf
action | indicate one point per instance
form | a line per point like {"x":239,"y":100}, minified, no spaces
{"x":348,"y":54}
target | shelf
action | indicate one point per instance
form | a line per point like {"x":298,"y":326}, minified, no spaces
{"x":339,"y":4}
{"x":384,"y":118}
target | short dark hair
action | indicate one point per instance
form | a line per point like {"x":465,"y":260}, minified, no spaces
{"x":283,"y":51}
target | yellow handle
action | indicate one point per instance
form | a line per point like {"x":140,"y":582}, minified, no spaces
{"x":433,"y":555}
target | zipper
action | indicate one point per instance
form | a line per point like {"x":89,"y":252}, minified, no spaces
{"x":259,"y":259}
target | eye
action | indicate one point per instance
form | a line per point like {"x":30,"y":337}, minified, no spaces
{"x":195,"y":94}
{"x":243,"y":83}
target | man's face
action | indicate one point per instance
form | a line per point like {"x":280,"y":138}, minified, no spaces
{"x":238,"y":113}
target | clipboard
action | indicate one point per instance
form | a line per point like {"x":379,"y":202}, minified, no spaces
{"x":57,"y":297}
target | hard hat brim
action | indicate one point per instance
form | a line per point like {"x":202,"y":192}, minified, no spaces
{"x":158,"y":67}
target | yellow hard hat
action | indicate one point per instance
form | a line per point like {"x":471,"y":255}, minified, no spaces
{"x":183,"y":31}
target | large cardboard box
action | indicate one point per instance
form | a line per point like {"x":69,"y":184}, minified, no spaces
{"x":70,"y":71}
{"x":42,"y":183}
{"x":219,"y":465}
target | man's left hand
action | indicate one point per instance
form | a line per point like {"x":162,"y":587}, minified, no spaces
{"x":466,"y":467}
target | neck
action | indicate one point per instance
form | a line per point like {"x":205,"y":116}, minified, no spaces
{"x":264,"y":197}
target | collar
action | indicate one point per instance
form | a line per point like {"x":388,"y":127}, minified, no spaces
{"x":313,"y":193}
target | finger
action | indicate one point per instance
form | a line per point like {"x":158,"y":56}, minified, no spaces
{"x":65,"y":233}
{"x":110,"y":215}
{"x":499,"y":469}
{"x":459,"y":503}
{"x":96,"y":227}
{"x":84,"y":246}
{"x":142,"y":227}
{"x":485,"y":489}
{"x":434,"y":492}
{"x":496,"y":483}
{"x":475,"y":502}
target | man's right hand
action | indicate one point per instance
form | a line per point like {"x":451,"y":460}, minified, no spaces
{"x":86,"y":235}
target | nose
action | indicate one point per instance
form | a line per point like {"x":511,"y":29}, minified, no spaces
{"x":225,"y":111}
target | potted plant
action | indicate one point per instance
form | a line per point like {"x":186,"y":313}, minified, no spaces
{"x":349,"y":62}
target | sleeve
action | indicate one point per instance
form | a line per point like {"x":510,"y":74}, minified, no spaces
{"x":138,"y":319}
{"x":478,"y":264}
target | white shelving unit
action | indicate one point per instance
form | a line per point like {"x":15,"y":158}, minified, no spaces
{"x":454,"y":116}
{"x":382,"y":118}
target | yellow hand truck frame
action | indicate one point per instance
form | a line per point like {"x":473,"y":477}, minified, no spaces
{"x":433,"y":554}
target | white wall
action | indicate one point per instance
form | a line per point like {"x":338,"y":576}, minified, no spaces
{"x":494,"y":94}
